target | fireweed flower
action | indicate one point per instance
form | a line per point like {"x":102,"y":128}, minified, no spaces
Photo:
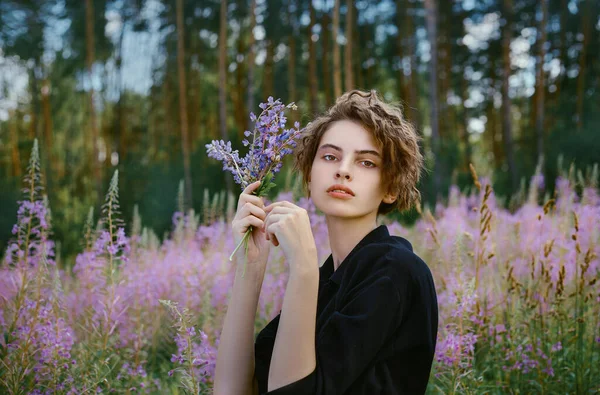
{"x":271,"y":141}
{"x":31,"y":233}
{"x":195,"y":358}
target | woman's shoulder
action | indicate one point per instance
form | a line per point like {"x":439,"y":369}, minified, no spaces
{"x":392,"y":256}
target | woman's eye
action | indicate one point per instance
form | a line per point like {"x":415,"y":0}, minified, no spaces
{"x":371,"y":164}
{"x":368,"y":164}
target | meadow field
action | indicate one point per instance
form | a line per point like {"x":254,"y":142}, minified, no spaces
{"x":517,"y":290}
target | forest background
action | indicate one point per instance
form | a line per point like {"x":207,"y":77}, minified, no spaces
{"x":142,"y":85}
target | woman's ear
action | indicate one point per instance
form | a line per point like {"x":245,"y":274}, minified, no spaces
{"x":389,"y":198}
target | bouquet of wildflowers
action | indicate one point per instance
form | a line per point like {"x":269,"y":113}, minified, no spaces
{"x":271,"y":141}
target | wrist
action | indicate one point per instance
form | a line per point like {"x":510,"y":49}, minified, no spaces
{"x":253,"y":279}
{"x":255,"y":267}
{"x":305,"y":266}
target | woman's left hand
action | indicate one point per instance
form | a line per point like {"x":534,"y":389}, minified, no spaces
{"x":289,"y":226}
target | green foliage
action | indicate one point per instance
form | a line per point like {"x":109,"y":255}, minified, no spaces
{"x":580,"y":148}
{"x":8,"y":209}
{"x":183,"y":323}
{"x":111,"y":219}
{"x":265,"y":186}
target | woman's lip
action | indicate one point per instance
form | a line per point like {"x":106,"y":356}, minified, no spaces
{"x":340,"y":195}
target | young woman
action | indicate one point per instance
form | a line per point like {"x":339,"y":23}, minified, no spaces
{"x":365,"y":322}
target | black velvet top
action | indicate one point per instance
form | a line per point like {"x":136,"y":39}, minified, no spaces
{"x":376,"y":327}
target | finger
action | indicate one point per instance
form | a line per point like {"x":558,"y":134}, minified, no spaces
{"x":272,"y":217}
{"x":245,"y":198}
{"x":251,"y":187}
{"x":251,"y":209}
{"x":271,"y":220}
{"x":280,"y":204}
{"x":251,"y":221}
{"x":276,"y":209}
{"x":272,"y":237}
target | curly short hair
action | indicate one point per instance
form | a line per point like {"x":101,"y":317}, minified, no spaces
{"x":392,"y":132}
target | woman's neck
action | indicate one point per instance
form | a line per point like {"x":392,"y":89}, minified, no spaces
{"x":345,"y":234}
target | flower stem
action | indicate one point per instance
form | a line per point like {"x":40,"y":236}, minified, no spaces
{"x":244,"y":239}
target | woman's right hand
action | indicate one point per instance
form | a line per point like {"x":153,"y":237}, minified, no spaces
{"x":250,"y":212}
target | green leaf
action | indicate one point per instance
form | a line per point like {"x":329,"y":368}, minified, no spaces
{"x":265,"y":185}
{"x":268,"y":188}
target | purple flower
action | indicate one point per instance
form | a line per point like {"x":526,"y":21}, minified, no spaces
{"x":113,"y":249}
{"x":31,"y":243}
{"x":270,"y":143}
{"x":121,"y":238}
{"x":46,"y":336}
{"x":538,"y":181}
{"x":203,"y":355}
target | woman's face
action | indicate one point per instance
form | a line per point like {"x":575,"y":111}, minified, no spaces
{"x":339,"y":160}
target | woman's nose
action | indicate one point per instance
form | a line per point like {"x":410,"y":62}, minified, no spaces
{"x":343,"y":173}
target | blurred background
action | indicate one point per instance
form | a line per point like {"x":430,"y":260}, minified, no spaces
{"x":142,"y":85}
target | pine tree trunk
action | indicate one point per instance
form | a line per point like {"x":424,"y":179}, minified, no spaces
{"x":223,"y":81}
{"x":201,"y":121}
{"x":164,"y":138}
{"x":349,"y":74}
{"x":493,"y":133}
{"x":48,"y":138}
{"x":293,"y":23}
{"x":119,"y":126}
{"x":268,"y":79}
{"x":326,"y":39}
{"x":450,"y":110}
{"x":193,"y":106}
{"x":193,"y":92}
{"x":35,"y":126}
{"x":467,"y":152}
{"x":413,"y":80}
{"x":240,"y":110}
{"x":369,"y":71}
{"x":183,"y":105}
{"x":14,"y":143}
{"x":507,"y":135}
{"x":152,"y":126}
{"x":90,"y":50}
{"x":540,"y":84}
{"x":585,"y":11}
{"x":401,"y":82}
{"x":213,"y":127}
{"x":292,"y":73}
{"x":442,"y":70}
{"x":357,"y":55}
{"x":337,"y":67}
{"x":431,"y":18}
{"x":251,"y":61}
{"x":312,"y":63}
{"x":562,"y":49}
{"x":33,"y":119}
